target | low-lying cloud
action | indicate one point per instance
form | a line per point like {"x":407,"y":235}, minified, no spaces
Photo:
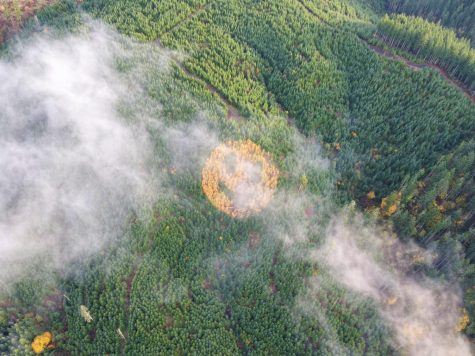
{"x":71,"y":168}
{"x":423,"y":314}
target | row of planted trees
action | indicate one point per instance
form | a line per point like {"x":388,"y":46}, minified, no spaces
{"x":456,"y":14}
{"x":432,"y":43}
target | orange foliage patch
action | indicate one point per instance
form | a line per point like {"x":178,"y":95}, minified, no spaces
{"x":14,"y":12}
{"x":392,"y":300}
{"x":41,"y":342}
{"x":463,"y":321}
{"x":390,"y":204}
{"x":239,"y":178}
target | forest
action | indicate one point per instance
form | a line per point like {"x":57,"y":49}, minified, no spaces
{"x":454,"y":14}
{"x":357,"y":113}
{"x":433,"y":44}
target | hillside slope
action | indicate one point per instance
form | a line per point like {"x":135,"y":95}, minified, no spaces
{"x":364,"y":145}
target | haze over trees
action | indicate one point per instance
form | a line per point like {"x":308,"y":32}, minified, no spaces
{"x":368,"y":117}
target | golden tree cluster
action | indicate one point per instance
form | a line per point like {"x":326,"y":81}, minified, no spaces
{"x":463,"y":321}
{"x":390,"y":204}
{"x":239,"y":178}
{"x":41,"y":342}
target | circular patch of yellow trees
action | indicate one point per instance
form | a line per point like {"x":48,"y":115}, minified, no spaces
{"x":239,"y":178}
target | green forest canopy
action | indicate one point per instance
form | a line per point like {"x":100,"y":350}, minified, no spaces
{"x":391,"y":132}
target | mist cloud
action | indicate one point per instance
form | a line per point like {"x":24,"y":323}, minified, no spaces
{"x":422,"y":312}
{"x":71,"y":168}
